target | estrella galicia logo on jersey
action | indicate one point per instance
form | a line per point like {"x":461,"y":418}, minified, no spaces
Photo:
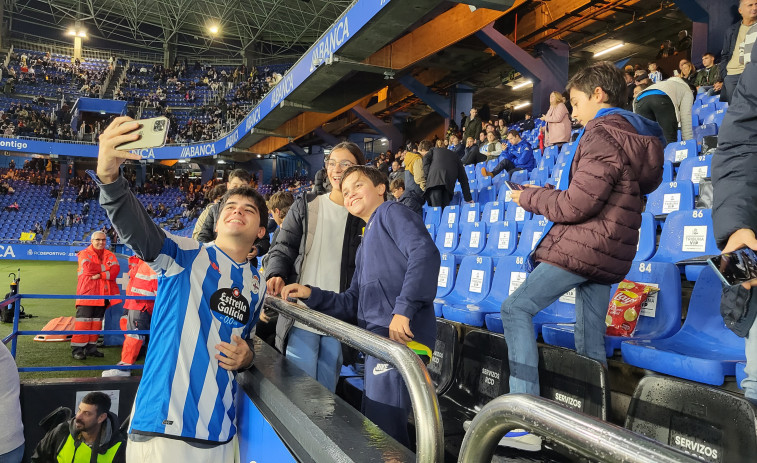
{"x":229,"y":306}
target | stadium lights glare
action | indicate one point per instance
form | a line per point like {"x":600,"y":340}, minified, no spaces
{"x":523,"y":105}
{"x":608,"y":50}
{"x":213,"y":29}
{"x":74,"y":32}
{"x":523,"y":84}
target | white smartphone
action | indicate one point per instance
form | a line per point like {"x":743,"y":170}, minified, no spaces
{"x":152,"y":134}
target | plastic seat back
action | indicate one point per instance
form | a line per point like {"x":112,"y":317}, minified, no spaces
{"x":451,"y":214}
{"x":446,"y":280}
{"x":530,"y":236}
{"x":433,"y":216}
{"x":502,"y":240}
{"x":671,"y":197}
{"x":431,"y":231}
{"x":519,"y":176}
{"x":447,"y":237}
{"x":446,"y":354}
{"x":473,"y":280}
{"x":472,"y":239}
{"x":694,"y":169}
{"x":715,"y":118}
{"x":678,"y":151}
{"x":574,"y":381}
{"x":493,"y":212}
{"x":687,"y":234}
{"x":647,"y":237}
{"x":668,"y":172}
{"x":704,"y":130}
{"x":487,"y":195}
{"x":517,"y":214}
{"x":470,"y":213}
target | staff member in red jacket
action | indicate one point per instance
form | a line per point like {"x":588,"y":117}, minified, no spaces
{"x":98,"y":270}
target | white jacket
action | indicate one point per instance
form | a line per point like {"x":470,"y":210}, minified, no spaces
{"x":683,"y":100}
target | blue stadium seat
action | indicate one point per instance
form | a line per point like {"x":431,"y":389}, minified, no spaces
{"x":678,"y":151}
{"x":472,"y":240}
{"x":540,"y":175}
{"x":445,"y":282}
{"x":647,"y":237}
{"x":704,"y":350}
{"x":433,"y":216}
{"x":551,"y":151}
{"x":704,"y":130}
{"x":519,"y":176}
{"x":547,"y":162}
{"x":700,"y":112}
{"x":504,"y":194}
{"x":472,"y":285}
{"x":517,"y":214}
{"x":451,"y":214}
{"x":431,"y":230}
{"x":687,"y":234}
{"x":694,"y":169}
{"x":502,"y":240}
{"x":740,"y":374}
{"x":715,"y":118}
{"x":660,"y":316}
{"x":447,"y":237}
{"x":668,"y":172}
{"x":493,"y":212}
{"x":470,"y":213}
{"x":487,"y":195}
{"x":505,"y":280}
{"x":531,"y":234}
{"x":670,"y":197}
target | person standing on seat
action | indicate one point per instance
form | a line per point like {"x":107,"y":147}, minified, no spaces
{"x":392,"y":292}
{"x":442,"y":168}
{"x":594,"y":218}
{"x":734,"y":211}
{"x":98,"y":270}
{"x":316,"y":245}
{"x":92,"y":435}
{"x":518,"y":155}
{"x":735,"y":42}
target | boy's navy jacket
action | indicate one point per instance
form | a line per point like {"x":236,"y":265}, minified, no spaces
{"x":397,"y":269}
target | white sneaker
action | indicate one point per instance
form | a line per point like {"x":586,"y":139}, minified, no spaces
{"x":517,"y":439}
{"x":115,"y":372}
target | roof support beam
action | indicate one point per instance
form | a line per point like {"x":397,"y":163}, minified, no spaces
{"x":387,"y":130}
{"x":438,"y":103}
{"x":326,"y":137}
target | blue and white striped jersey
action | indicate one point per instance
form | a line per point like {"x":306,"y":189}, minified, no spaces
{"x":203,"y":298}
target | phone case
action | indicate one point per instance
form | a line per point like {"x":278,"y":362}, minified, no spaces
{"x":153,"y":133}
{"x":716,"y":268}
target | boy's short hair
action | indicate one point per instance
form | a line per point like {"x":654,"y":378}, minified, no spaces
{"x":396,"y":184}
{"x":603,"y":75}
{"x":240,"y":174}
{"x":217,"y":192}
{"x":514,"y":133}
{"x":281,"y":200}
{"x":100,"y":400}
{"x":425,"y":145}
{"x":251,"y":193}
{"x":374,"y":175}
{"x":352,"y":148}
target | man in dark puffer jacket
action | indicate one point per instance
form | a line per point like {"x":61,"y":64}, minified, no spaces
{"x":594,"y":215}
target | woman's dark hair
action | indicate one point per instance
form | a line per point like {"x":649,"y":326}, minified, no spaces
{"x":371,"y":173}
{"x":603,"y":75}
{"x":353,"y":149}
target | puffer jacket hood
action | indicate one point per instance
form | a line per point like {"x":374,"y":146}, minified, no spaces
{"x":109,"y":435}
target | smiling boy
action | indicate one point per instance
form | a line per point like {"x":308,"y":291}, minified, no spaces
{"x":392,"y":291}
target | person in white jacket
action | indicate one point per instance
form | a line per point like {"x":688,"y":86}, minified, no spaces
{"x":669,"y":103}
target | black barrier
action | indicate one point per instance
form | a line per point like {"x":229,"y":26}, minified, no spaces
{"x":709,"y":423}
{"x":446,"y":351}
{"x":573,"y":381}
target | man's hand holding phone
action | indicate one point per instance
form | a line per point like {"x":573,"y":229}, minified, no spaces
{"x":742,"y":238}
{"x":109,"y":159}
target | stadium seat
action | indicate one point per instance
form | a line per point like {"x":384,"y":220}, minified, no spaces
{"x":450,"y":214}
{"x":469,"y":213}
{"x":678,"y":151}
{"x":502,"y":240}
{"x":433,"y":216}
{"x":472,"y":240}
{"x":740,"y":374}
{"x":700,"y":112}
{"x":441,"y":369}
{"x":504,"y":195}
{"x":715,"y":118}
{"x":506,"y":279}
{"x":704,"y":350}
{"x":694,"y":169}
{"x":519,"y":176}
{"x":647,"y":237}
{"x":487,"y":194}
{"x":445,"y":281}
{"x":493,"y":212}
{"x":447,"y":237}
{"x":670,"y":197}
{"x":472,"y":285}
{"x":668,"y":172}
{"x":704,"y":130}
{"x":660,"y":316}
{"x":686,"y":235}
{"x":529,"y":237}
{"x":709,"y":423}
{"x":540,"y":175}
{"x":517,"y":214}
{"x":431,"y":230}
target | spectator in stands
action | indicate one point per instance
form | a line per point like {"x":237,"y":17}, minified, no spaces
{"x":688,"y":73}
{"x":472,"y":153}
{"x":455,"y":146}
{"x":518,"y":156}
{"x":630,"y":85}
{"x":13,"y":207}
{"x":492,"y":148}
{"x":92,"y":435}
{"x":737,"y":44}
{"x":397,"y":171}
{"x":391,"y":295}
{"x":409,"y":198}
{"x":237,"y":178}
{"x":415,"y":178}
{"x":98,"y":270}
{"x":669,"y":103}
{"x":195,"y":385}
{"x":684,"y":41}
{"x":709,"y":75}
{"x":666,"y":49}
{"x":442,"y":168}
{"x":12,"y":429}
{"x":734,"y":211}
{"x":528,"y":122}
{"x":316,"y":245}
{"x":595,"y":215}
{"x":558,"y":121}
{"x":472,"y":125}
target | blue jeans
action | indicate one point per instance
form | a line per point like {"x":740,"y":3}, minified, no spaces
{"x":749,"y":384}
{"x":319,"y":356}
{"x":14,"y":456}
{"x":543,"y":287}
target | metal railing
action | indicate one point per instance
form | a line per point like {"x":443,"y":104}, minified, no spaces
{"x":585,"y":435}
{"x":428,"y":423}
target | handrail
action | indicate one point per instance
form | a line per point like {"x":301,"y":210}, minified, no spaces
{"x":428,"y":423}
{"x":583,"y":434}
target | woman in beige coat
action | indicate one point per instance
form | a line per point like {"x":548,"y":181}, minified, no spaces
{"x":558,"y":121}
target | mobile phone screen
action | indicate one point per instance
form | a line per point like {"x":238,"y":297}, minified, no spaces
{"x":735,"y":267}
{"x":514,"y":186}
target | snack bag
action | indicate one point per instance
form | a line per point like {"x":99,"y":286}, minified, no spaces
{"x":624,"y":308}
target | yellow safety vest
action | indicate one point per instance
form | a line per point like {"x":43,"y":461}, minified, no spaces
{"x":71,"y":454}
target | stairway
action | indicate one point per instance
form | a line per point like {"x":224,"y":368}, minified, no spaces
{"x":115,"y":80}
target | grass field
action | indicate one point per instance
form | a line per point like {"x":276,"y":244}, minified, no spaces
{"x":40,"y":277}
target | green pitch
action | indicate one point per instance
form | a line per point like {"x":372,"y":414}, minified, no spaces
{"x":40,"y":277}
